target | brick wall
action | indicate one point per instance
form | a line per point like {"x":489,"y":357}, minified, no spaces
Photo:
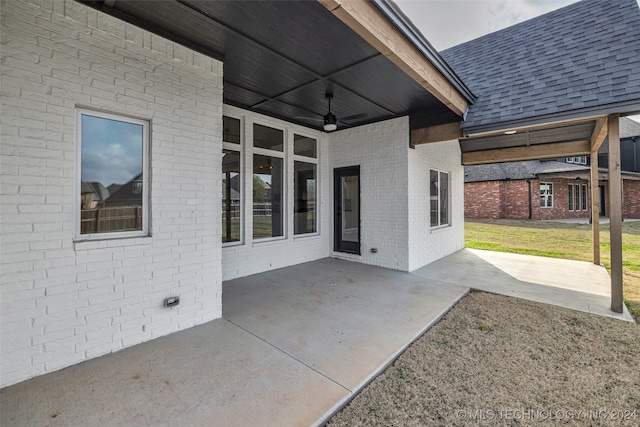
{"x":510,"y":199}
{"x":427,"y":244}
{"x":631,"y":199}
{"x":381,"y":151}
{"x":483,"y":199}
{"x":65,"y":301}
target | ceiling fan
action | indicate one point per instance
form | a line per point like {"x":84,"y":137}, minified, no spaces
{"x":330,"y":121}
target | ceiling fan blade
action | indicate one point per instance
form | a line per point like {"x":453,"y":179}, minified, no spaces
{"x":353,"y":117}
{"x":315,"y":119}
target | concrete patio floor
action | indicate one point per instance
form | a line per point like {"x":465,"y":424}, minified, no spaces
{"x":293,"y":345}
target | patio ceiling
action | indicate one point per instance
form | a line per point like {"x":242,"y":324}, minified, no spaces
{"x":281,"y":58}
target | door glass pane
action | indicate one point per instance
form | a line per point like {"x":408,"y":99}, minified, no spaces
{"x":350,"y":208}
{"x":231,"y":196}
{"x":304,"y":183}
{"x":267,"y":196}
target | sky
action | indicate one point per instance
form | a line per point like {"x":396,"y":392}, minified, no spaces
{"x":111,"y":150}
{"x":447,"y":23}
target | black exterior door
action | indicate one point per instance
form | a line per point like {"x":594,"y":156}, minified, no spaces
{"x":346,"y":190}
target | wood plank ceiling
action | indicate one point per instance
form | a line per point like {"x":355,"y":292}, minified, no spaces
{"x":281,"y":58}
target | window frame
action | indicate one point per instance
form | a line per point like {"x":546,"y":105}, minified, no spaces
{"x":77,"y":209}
{"x":571,"y":199}
{"x":550,"y":187}
{"x":438,"y":200}
{"x":232,"y":146}
{"x":585,"y":196}
{"x":312,"y":160}
{"x":285,"y":170}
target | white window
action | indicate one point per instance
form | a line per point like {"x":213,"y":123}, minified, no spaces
{"x":577,"y":197}
{"x":439,"y":198}
{"x":268,"y":182}
{"x":112,"y":187}
{"x":571,"y":203}
{"x":305,"y":183}
{"x":546,"y":195}
{"x":578,"y":160}
{"x":231,"y":180}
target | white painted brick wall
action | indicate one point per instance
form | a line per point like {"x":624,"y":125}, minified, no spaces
{"x":428,"y":244}
{"x":63,"y":301}
{"x":252,"y":257}
{"x":380,"y":149}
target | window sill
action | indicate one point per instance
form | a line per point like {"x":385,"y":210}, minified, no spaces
{"x":267,"y":240}
{"x":111,"y":242}
{"x":305,"y":236}
{"x":440,"y":228}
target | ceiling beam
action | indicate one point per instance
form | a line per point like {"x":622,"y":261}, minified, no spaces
{"x":599,"y":134}
{"x":371,"y":24}
{"x":531,"y":152}
{"x":446,"y":132}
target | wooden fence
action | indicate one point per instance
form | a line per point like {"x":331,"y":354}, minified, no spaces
{"x":101,"y":220}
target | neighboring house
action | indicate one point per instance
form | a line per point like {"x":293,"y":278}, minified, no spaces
{"x":540,"y":190}
{"x":119,"y":83}
{"x":93,"y":194}
{"x":556,"y":189}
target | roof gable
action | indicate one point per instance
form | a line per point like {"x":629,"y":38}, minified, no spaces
{"x":581,"y":56}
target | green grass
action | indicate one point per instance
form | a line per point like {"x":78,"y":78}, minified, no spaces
{"x":560,"y":240}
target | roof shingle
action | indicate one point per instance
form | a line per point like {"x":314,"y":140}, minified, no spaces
{"x":584,"y":55}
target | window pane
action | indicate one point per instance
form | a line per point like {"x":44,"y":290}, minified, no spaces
{"x":304,"y":182}
{"x":303,"y":146}
{"x":231,"y":191}
{"x":584,"y":197}
{"x":444,"y":198}
{"x":267,"y":196}
{"x":111,"y":174}
{"x":433,"y":193}
{"x":231,"y":130}
{"x":570,"y":197}
{"x":269,"y":138}
{"x":577,"y":197}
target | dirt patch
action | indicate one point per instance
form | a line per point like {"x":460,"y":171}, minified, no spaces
{"x":495,"y":360}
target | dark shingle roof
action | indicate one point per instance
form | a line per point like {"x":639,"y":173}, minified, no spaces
{"x":629,"y":128}
{"x":517,"y":170}
{"x":584,"y":55}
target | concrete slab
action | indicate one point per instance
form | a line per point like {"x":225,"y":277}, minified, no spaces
{"x":577,"y":285}
{"x":363,"y":314}
{"x":294,"y":345}
{"x":213,"y":374}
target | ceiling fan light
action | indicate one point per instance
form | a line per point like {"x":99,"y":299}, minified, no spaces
{"x":330,"y":123}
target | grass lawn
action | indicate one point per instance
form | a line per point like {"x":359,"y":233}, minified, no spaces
{"x":560,"y":240}
{"x":501,"y":361}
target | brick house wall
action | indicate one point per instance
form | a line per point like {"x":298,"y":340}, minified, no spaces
{"x":509,"y":199}
{"x":630,"y":199}
{"x":64,"y":300}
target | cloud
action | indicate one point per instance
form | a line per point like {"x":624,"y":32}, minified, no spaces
{"x":447,"y":23}
{"x":111,"y":150}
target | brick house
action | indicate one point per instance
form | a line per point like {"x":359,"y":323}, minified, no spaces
{"x":356,"y":125}
{"x":515,"y":190}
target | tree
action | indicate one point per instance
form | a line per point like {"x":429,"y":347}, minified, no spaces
{"x":259,"y":192}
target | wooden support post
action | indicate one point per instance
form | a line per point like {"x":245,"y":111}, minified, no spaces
{"x":615,"y":213}
{"x":595,"y":207}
